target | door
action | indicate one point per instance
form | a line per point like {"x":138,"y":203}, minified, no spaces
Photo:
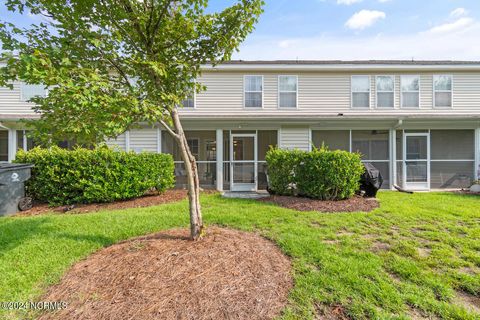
{"x":243,"y":161}
{"x":416,"y":161}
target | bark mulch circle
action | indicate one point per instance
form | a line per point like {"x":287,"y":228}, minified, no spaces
{"x":353,"y":204}
{"x":227,"y":275}
{"x":148,"y":200}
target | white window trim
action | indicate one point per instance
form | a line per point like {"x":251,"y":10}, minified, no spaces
{"x":279,"y":91}
{"x":434,"y":91}
{"x":377,"y":91}
{"x":244,"y":91}
{"x":369,"y":92}
{"x":419,"y":91}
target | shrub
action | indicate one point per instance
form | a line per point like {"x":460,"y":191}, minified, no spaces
{"x":281,"y":165}
{"x":319,"y":174}
{"x":100,"y":175}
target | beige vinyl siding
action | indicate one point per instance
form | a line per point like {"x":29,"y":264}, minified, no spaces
{"x":295,"y":138}
{"x":466,"y":91}
{"x":426,"y":91}
{"x":118,"y":142}
{"x":321,"y":93}
{"x":144,"y":139}
{"x":11,"y":104}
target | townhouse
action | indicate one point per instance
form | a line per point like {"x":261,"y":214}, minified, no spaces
{"x":418,"y":122}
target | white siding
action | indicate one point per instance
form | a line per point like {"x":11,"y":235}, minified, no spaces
{"x":11,"y":104}
{"x":295,"y":138}
{"x":118,"y":142}
{"x":143,"y":140}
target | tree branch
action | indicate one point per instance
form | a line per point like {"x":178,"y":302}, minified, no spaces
{"x":169,"y":129}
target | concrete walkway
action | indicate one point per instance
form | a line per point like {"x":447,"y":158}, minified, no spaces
{"x":245,"y":195}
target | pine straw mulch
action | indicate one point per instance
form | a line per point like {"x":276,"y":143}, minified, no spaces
{"x":354,"y":204}
{"x":227,"y":275}
{"x":152,"y":199}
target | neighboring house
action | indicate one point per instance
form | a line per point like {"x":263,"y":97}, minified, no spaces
{"x":416,"y":121}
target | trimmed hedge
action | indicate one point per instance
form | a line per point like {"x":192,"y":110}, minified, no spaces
{"x":81,"y":175}
{"x":319,"y":174}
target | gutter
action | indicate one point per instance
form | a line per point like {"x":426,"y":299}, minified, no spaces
{"x":340,"y":67}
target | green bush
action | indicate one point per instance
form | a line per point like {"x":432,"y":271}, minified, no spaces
{"x":281,"y":166}
{"x":319,"y":174}
{"x":100,"y":175}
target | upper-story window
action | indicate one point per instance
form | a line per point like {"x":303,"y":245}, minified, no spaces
{"x":360,"y":91}
{"x":442,"y":91}
{"x":189,"y":102}
{"x":287,"y":91}
{"x":253,"y":91}
{"x":385,"y":91}
{"x":28,"y":91}
{"x":410,"y":91}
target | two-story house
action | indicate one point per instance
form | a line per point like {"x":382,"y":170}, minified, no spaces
{"x":416,"y":121}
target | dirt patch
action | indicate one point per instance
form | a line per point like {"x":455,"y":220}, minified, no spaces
{"x":469,"y":270}
{"x":415,"y":314}
{"x":468,"y":301}
{"x":226,"y":275}
{"x":378,"y":246}
{"x":353,"y":204}
{"x":153,"y":199}
{"x":334,"y":312}
{"x":424,"y":252}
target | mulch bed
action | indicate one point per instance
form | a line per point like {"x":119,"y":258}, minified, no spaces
{"x":353,"y":204}
{"x":226,"y":275}
{"x":145,"y":201}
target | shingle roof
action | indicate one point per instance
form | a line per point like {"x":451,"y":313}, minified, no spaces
{"x":352,"y":62}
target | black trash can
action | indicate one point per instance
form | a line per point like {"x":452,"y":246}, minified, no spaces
{"x":12,"y":187}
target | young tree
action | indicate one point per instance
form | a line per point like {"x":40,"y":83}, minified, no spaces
{"x":109,"y":64}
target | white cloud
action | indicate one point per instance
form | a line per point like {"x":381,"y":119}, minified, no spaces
{"x":348,"y":2}
{"x":364,"y":19}
{"x":424,"y":45}
{"x":459,"y":12}
{"x":458,"y":25}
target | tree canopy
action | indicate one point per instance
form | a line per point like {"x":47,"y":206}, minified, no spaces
{"x":111,"y":63}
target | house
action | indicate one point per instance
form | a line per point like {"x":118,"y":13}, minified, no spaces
{"x":418,"y":122}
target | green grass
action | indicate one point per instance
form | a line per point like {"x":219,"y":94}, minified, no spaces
{"x":413,"y":253}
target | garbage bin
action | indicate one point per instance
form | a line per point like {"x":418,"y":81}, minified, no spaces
{"x":12,"y":187}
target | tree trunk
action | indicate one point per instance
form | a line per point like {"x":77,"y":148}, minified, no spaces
{"x":196,"y":222}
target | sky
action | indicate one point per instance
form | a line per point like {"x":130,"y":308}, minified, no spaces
{"x":364,"y":29}
{"x":356,"y":29}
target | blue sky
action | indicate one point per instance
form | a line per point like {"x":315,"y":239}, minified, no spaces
{"x":357,"y":29}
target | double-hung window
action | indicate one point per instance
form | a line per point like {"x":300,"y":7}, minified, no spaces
{"x":253,"y":94}
{"x":442,"y":91}
{"x":29,"y":91}
{"x":410,"y":91}
{"x":385,"y":91}
{"x":360,"y":92}
{"x":287,"y":91}
{"x":189,"y":102}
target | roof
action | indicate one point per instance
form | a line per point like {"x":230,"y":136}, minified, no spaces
{"x":353,"y":62}
{"x":347,"y":65}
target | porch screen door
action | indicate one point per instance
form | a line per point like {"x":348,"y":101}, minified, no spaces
{"x":243,"y":159}
{"x":416,"y":166}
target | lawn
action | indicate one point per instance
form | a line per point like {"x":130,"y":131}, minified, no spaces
{"x":415,"y":255}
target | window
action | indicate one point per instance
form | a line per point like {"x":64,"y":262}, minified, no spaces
{"x":442,"y":91}
{"x":287,"y":91}
{"x":253,"y":91}
{"x":360,"y":91}
{"x":410,"y":95}
{"x":189,"y":102}
{"x":194,"y":146}
{"x":3,"y":145}
{"x":28,"y":91}
{"x":385,"y":90}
